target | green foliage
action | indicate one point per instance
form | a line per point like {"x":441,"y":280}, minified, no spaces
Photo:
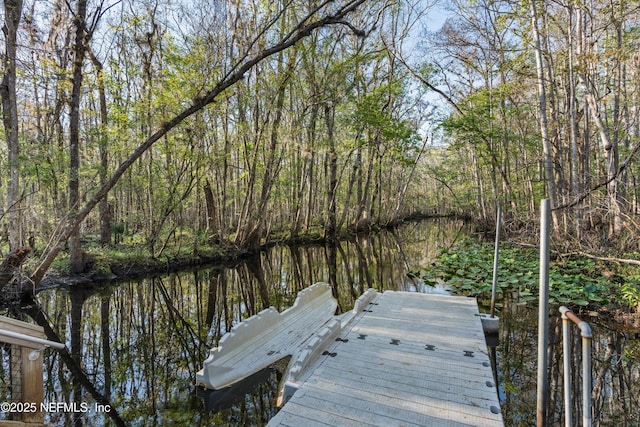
{"x":468,"y":268}
{"x":373,"y":112}
{"x":473,"y":127}
{"x":630,"y":291}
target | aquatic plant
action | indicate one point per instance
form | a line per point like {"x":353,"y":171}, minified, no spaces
{"x":468,"y":269}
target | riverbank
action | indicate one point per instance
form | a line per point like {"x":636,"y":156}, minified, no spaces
{"x":133,"y":259}
{"x":585,"y":283}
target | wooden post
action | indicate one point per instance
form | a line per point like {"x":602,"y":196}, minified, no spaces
{"x":26,"y":371}
{"x":32,"y":385}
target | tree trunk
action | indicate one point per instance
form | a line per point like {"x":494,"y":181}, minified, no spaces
{"x":103,"y":208}
{"x":12,"y":14}
{"x":363,"y":217}
{"x":573,"y":128}
{"x":311,"y":193}
{"x":403,"y":193}
{"x":330,"y":228}
{"x":248,"y":227}
{"x":212,"y":220}
{"x":76,"y":262}
{"x":352,"y":181}
{"x":610,"y":148}
{"x":272,"y":166}
{"x":542,"y":108}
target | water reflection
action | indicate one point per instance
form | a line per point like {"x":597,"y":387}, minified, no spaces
{"x":141,"y":342}
{"x":616,"y":370}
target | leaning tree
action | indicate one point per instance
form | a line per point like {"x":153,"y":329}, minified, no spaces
{"x":13,"y":282}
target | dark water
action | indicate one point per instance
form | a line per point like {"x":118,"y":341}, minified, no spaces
{"x":142,"y":342}
{"x":615,"y":374}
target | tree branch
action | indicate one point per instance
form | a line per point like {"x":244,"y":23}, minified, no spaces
{"x":422,"y":80}
{"x":300,"y":31}
{"x":604,"y":183}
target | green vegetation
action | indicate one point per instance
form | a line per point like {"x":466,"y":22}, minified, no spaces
{"x":236,"y":130}
{"x":257,"y":122}
{"x":573,"y":281}
{"x":134,"y":258}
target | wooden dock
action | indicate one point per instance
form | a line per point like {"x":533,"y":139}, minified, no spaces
{"x":408,"y":359}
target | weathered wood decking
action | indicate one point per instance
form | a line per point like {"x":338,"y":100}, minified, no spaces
{"x":409,"y":360}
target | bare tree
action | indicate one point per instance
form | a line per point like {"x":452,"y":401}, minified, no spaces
{"x":76,"y":263}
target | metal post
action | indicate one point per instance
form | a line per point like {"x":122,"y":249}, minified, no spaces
{"x":585,"y":332}
{"x":543,"y":316}
{"x":566,"y":370}
{"x":496,"y":254}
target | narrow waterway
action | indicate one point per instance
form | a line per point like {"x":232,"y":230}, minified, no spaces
{"x":141,"y":342}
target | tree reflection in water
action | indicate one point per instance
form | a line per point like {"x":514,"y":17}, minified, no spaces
{"x":616,"y":370}
{"x":141,"y":342}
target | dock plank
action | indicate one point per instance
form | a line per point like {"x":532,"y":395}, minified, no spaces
{"x":408,"y":360}
{"x":375,"y":409}
{"x":430,"y":383}
{"x":384,"y":391}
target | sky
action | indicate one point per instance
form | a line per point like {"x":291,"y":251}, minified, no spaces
{"x":430,"y":22}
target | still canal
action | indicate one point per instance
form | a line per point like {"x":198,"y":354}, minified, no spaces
{"x":141,"y":342}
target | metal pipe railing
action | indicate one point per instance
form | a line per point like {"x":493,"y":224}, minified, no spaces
{"x":585,"y":332}
{"x":35,"y":340}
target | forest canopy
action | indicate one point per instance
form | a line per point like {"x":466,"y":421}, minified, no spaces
{"x":164,"y":124}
